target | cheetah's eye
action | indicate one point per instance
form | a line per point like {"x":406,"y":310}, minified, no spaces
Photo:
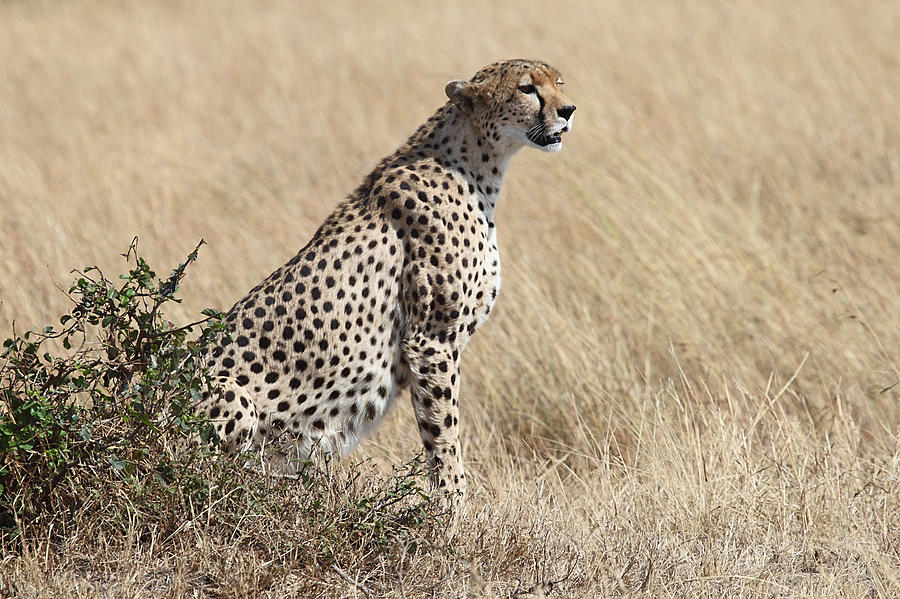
{"x":527,"y":89}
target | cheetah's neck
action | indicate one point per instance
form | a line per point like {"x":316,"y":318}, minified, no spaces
{"x":451,"y":138}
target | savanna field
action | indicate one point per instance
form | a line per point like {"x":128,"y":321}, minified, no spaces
{"x":689,"y":387}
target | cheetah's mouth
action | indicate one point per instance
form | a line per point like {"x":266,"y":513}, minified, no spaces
{"x":542,"y":139}
{"x":547,"y":141}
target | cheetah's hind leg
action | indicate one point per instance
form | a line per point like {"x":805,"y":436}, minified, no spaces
{"x":232,"y":413}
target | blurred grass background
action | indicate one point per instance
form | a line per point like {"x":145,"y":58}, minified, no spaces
{"x":718,"y":244}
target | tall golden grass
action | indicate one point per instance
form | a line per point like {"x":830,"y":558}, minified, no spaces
{"x":690,"y":383}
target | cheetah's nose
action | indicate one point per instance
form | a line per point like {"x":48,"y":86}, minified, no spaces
{"x":566,"y":111}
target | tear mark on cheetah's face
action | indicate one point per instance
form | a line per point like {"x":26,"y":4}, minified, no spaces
{"x":517,"y":105}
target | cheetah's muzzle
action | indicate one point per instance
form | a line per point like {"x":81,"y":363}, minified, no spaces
{"x":542,"y":139}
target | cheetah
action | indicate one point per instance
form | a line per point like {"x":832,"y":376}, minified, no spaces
{"x":390,"y":288}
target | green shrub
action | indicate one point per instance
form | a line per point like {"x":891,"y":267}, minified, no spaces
{"x":113,"y":405}
{"x":97,"y":428}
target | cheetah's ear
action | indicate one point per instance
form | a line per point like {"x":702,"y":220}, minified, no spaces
{"x":461,"y":93}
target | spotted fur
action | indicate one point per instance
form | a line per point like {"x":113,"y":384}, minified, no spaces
{"x":390,"y":288}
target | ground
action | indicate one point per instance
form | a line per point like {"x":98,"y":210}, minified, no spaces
{"x":689,"y":383}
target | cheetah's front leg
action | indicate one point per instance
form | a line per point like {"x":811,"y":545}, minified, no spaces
{"x":435,"y":389}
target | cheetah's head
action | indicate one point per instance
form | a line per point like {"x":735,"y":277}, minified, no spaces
{"x":516,"y":103}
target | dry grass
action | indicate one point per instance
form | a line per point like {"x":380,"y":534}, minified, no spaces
{"x":689,"y":387}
